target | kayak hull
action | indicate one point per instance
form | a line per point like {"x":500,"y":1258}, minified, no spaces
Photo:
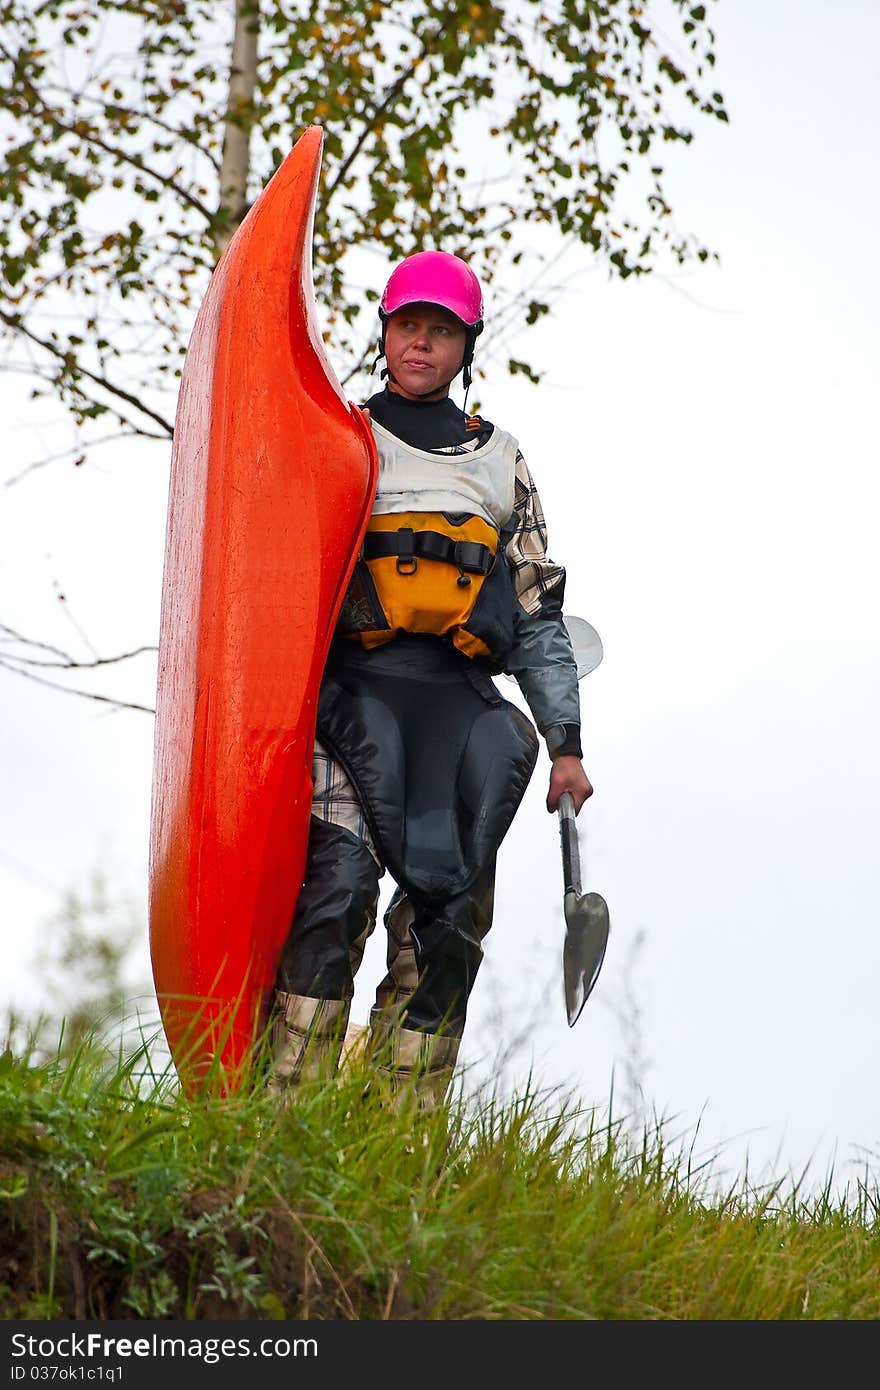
{"x":272,"y":480}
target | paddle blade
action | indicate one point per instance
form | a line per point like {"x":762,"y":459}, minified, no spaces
{"x":587,"y":925}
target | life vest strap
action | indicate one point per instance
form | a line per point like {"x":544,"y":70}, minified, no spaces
{"x":408,"y":545}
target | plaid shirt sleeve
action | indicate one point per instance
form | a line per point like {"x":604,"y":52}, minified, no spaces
{"x":535,"y":574}
{"x":541,"y":658}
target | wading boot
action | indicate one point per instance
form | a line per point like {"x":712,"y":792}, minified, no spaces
{"x":306,"y":1040}
{"x":411,"y":1062}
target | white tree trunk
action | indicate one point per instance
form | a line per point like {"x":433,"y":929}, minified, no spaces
{"x":236,"y":161}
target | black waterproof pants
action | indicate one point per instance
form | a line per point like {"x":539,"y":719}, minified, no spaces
{"x":440,"y":762}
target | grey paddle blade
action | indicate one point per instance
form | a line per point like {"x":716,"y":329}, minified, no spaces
{"x":586,"y":645}
{"x":587,"y":924}
{"x":586,"y":642}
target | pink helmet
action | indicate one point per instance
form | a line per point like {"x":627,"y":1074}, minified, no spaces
{"x":435,"y":277}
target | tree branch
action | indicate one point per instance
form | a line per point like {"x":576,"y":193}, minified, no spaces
{"x":31,"y":642}
{"x":146,"y":116}
{"x":12,"y":321}
{"x":69,"y":690}
{"x":369,"y":122}
{"x":79,"y":449}
{"x":136,"y":161}
{"x":369,"y":125}
{"x":47,"y":112}
{"x":66,"y":662}
{"x":359,"y":365}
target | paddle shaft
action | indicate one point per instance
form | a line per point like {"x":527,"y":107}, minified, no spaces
{"x":571,"y":860}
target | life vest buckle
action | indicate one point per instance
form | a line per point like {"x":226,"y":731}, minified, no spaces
{"x":473,"y":557}
{"x":406,"y":560}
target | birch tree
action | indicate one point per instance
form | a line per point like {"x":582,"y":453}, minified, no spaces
{"x":138,"y":134}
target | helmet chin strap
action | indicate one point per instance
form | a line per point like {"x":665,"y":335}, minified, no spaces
{"x":472,"y":332}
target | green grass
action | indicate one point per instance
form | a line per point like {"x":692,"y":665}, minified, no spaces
{"x":119,"y":1198}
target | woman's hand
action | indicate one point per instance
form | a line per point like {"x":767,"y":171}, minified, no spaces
{"x":567,"y":775}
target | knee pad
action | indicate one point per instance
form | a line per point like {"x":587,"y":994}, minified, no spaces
{"x":335,"y":904}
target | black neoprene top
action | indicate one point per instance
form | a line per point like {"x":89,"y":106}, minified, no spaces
{"x":427,"y":424}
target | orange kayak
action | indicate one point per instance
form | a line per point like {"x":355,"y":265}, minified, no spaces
{"x":272,"y":480}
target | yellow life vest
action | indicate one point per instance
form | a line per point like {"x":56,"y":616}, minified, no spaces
{"x":424,"y":572}
{"x":433,"y":555}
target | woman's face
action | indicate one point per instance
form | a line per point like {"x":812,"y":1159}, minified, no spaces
{"x":424,"y":349}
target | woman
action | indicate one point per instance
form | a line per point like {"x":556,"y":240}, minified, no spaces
{"x":420,"y":765}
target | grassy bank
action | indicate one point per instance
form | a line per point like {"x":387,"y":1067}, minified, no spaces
{"x":120,"y":1199}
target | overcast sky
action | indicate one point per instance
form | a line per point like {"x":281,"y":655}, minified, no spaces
{"x":705,"y":447}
